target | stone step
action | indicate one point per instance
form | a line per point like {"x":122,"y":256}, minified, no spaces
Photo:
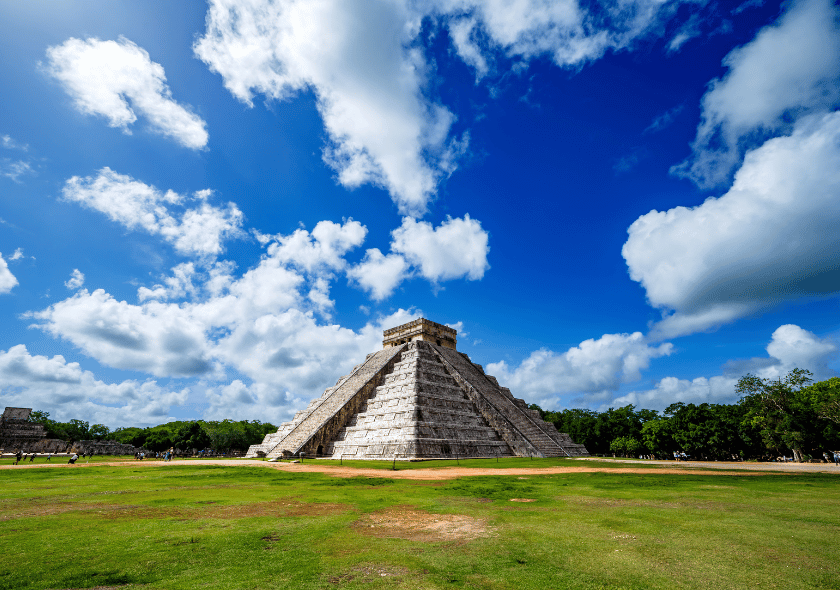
{"x":523,"y":425}
{"x":330,"y":406}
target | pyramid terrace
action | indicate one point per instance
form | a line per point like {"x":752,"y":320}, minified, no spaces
{"x":417,"y":398}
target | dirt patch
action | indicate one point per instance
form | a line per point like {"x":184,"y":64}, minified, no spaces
{"x":522,"y":500}
{"x":444,"y":473}
{"x":405,"y":522}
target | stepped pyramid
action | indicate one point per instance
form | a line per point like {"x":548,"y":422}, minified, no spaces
{"x":417,"y":398}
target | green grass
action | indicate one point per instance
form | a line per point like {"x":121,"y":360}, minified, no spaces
{"x":205,"y":526}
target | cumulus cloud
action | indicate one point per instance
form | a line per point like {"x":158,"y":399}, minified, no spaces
{"x":199,"y":230}
{"x":114,"y":79}
{"x":67,"y":391}
{"x":204,"y":322}
{"x":366,"y":64}
{"x":7,"y":279}
{"x":76,"y":280}
{"x":359,"y":60}
{"x":592,"y":366}
{"x":788,"y":70}
{"x":771,"y":238}
{"x":456,"y":248}
{"x":790,"y":347}
{"x":321,"y":251}
{"x":17,"y":255}
{"x":793,"y":347}
{"x":378,"y":274}
{"x":154,"y":338}
{"x":566,"y":32}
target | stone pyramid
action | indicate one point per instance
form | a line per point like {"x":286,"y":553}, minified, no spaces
{"x":417,"y":398}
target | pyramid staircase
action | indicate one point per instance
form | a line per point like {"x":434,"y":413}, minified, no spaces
{"x":418,"y":398}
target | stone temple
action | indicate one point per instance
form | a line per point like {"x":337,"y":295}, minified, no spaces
{"x":417,"y":398}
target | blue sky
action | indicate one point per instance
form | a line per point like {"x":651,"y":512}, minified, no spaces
{"x":213,"y":210}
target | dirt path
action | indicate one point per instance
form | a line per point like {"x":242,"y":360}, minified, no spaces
{"x":587,"y":466}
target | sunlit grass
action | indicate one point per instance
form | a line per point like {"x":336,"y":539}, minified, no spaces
{"x":206,"y":526}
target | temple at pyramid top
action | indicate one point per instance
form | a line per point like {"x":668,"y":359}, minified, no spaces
{"x":422,"y":329}
{"x":417,"y":398}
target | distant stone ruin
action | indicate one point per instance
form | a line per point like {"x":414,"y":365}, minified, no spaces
{"x":418,"y":398}
{"x":17,"y":433}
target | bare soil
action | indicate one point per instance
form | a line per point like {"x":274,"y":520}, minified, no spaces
{"x":406,"y":522}
{"x":592,"y":465}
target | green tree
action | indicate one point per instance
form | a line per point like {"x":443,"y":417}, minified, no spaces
{"x":192,"y":436}
{"x":657,"y":437}
{"x":825,"y":399}
{"x":99,"y":432}
{"x":779,"y":410}
{"x":625,"y":446}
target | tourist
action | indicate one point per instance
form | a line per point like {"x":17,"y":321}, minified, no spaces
{"x":73,"y":459}
{"x":836,"y":458}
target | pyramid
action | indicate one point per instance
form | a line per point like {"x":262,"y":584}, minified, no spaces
{"x":417,"y":398}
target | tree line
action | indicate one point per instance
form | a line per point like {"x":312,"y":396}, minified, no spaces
{"x":788,"y":416}
{"x":222,"y":436}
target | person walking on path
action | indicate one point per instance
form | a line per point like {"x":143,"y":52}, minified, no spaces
{"x":836,"y":458}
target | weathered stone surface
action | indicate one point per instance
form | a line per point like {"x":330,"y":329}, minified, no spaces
{"x":418,"y":398}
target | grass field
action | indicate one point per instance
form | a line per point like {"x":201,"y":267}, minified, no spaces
{"x":207,"y":526}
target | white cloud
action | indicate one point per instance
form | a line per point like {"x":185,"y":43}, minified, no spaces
{"x":176,"y":286}
{"x":199,"y":231}
{"x":365,"y":63}
{"x":7,"y":279}
{"x":566,"y":32}
{"x":67,"y":391}
{"x":259,"y":327}
{"x":664,"y":120}
{"x":164,"y":340}
{"x":76,"y":280}
{"x":14,"y":169}
{"x":102,"y":77}
{"x":793,"y":347}
{"x":592,"y":366}
{"x":462,"y":32}
{"x":359,"y":60}
{"x":18,"y":254}
{"x":670,"y":390}
{"x":8,"y":142}
{"x":456,"y":248}
{"x":788,"y":70}
{"x":378,"y":274}
{"x":771,"y":238}
{"x":790,"y":347}
{"x":321,"y":251}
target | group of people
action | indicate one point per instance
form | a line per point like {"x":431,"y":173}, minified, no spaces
{"x":681,"y":456}
{"x":835,"y":456}
{"x":166,"y":456}
{"x":21,"y":456}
